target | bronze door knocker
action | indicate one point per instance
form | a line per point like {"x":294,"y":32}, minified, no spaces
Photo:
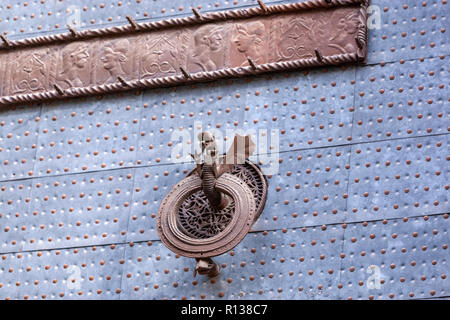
{"x":212,"y":209}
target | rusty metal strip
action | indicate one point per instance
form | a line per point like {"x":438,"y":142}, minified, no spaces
{"x":204,"y":47}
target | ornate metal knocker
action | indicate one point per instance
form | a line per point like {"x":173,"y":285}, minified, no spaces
{"x":212,"y":209}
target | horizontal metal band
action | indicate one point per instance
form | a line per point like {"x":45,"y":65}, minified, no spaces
{"x":205,"y":47}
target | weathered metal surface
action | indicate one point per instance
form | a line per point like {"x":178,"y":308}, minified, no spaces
{"x":10,"y":272}
{"x":309,"y":189}
{"x":408,"y":30}
{"x":93,"y":135}
{"x":20,"y":20}
{"x":401,"y":99}
{"x":169,"y":52}
{"x":71,"y":210}
{"x":151,"y":184}
{"x":325,"y":104}
{"x":198,"y":18}
{"x":80,"y":273}
{"x":19,"y":131}
{"x":306,"y":109}
{"x":399,"y":178}
{"x":396,"y":259}
{"x":78,"y":214}
{"x":308,"y":263}
{"x":15,"y":201}
{"x":292,"y":264}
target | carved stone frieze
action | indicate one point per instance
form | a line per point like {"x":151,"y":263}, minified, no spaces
{"x":297,"y":36}
{"x":176,"y":51}
{"x":209,"y":48}
{"x":116,"y":58}
{"x":29,"y":71}
{"x":74,"y":69}
{"x":3,"y":59}
{"x":250,"y":39}
{"x":162,"y":53}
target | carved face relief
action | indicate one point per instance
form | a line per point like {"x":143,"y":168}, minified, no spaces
{"x":341,"y":39}
{"x":243,"y":40}
{"x":75,"y":67}
{"x":114,"y":58}
{"x":249,"y":40}
{"x":109,"y":59}
{"x":216,"y":39}
{"x":349,"y":23}
{"x":77,"y":57}
{"x":207,"y":53}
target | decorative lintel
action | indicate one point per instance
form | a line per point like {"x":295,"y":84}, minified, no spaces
{"x":202,"y":47}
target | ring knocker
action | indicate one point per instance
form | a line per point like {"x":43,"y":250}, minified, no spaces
{"x":212,"y":209}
